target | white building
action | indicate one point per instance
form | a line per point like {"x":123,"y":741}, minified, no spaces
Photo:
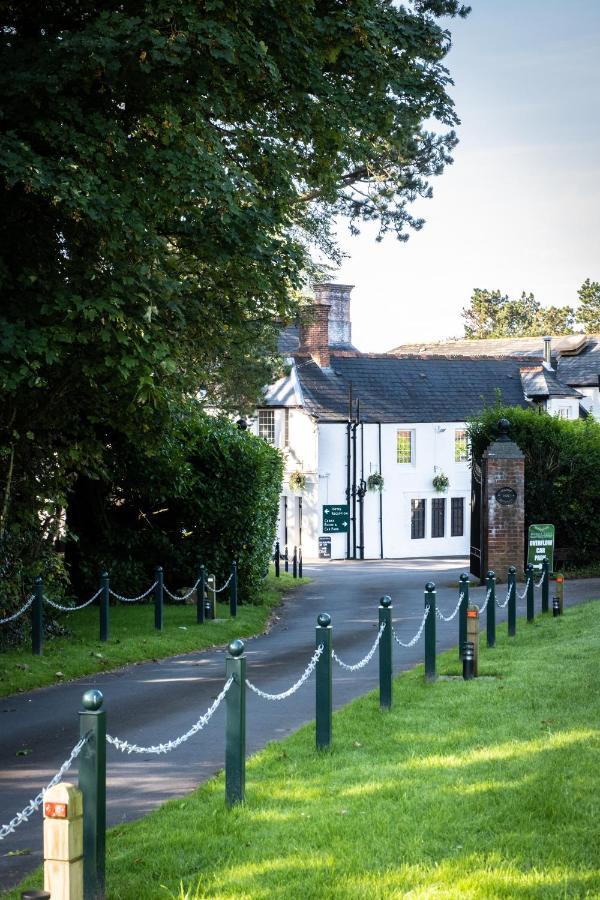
{"x":341,"y":416}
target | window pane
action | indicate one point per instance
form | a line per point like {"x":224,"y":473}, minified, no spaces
{"x":266,"y":425}
{"x":404,"y":446}
{"x":457,"y":510}
{"x":417,"y":519}
{"x":438,"y":514}
{"x":461,"y":450}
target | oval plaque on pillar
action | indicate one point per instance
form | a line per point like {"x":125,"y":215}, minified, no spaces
{"x":506,"y":496}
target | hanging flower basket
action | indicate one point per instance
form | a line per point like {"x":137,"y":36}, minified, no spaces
{"x":297,"y":482}
{"x":375,"y":482}
{"x":441,"y":482}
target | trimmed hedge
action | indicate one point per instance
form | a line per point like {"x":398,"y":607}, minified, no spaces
{"x":562,"y":472}
{"x":209,"y":494}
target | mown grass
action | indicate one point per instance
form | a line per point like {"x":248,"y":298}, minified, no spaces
{"x":472,"y":789}
{"x":133,"y":638}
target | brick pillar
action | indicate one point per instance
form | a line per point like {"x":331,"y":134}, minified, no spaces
{"x":314,"y":335}
{"x":503,"y":475}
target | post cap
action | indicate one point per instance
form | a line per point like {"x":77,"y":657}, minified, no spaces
{"x":464,"y":577}
{"x":37,"y":579}
{"x":104,"y":575}
{"x":385,"y":601}
{"x":158,"y":569}
{"x":430,"y":586}
{"x":236,"y":648}
{"x":491,"y":574}
{"x":511,"y":570}
{"x":92,"y":700}
{"x":529,"y":567}
{"x":323,"y":619}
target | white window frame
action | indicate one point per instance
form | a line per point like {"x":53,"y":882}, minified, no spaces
{"x":266,"y":430}
{"x":458,"y":457}
{"x":563,"y":412}
{"x":413,"y":453}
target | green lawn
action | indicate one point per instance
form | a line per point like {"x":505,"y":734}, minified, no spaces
{"x":133,"y":638}
{"x":472,"y":789}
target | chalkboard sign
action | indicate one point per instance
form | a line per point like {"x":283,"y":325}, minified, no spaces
{"x":324,"y":547}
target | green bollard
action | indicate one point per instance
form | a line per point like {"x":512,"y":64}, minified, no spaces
{"x":277,"y":560}
{"x":104,"y":606}
{"x":463,"y":588}
{"x":295,"y":563}
{"x":37,"y":617}
{"x":530,"y":595}
{"x":92,"y":784}
{"x":200,"y":596}
{"x":490,"y":619}
{"x":233,"y":591}
{"x":158,"y":599}
{"x":430,"y":661}
{"x":545,"y":584}
{"x":299,"y":562}
{"x":385,"y":653}
{"x":324,"y":691}
{"x":235,"y":729}
{"x":512,"y":601}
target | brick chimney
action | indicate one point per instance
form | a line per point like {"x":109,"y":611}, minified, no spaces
{"x":338,"y":298}
{"x":314,"y":335}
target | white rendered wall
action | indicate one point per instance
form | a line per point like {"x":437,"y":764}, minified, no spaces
{"x":591,"y":400}
{"x":554,"y":404}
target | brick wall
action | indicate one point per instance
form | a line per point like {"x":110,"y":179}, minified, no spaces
{"x":314,"y":335}
{"x":504,"y":536}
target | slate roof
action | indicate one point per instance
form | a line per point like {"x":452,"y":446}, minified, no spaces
{"x":408,"y":389}
{"x":288,"y":340}
{"x":582,"y":369}
{"x":541,"y":382}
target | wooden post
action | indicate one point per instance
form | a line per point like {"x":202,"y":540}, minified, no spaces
{"x":63,"y":842}
{"x":473,"y":634}
{"x":560,"y":590}
{"x":211,"y":597}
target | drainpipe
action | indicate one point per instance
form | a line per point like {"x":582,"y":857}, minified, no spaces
{"x":354,"y":461}
{"x":348,"y":451}
{"x":380,"y":499}
{"x":361,"y":494}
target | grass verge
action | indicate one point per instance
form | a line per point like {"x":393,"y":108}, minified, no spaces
{"x":133,"y":638}
{"x":472,"y":789}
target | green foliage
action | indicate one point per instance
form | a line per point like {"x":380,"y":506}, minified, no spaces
{"x":375,"y":482}
{"x":441,"y":482}
{"x":493,"y":315}
{"x":562,"y":472}
{"x":297,"y":482}
{"x":209,"y":494}
{"x":588,"y":311}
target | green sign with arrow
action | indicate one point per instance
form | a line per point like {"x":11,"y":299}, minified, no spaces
{"x":539,"y":545}
{"x":335,"y":518}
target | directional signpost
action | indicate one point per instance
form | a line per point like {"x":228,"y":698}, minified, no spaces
{"x":335,"y":519}
{"x":540,"y":545}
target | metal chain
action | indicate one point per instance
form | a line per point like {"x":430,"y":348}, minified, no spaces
{"x":444,"y":618}
{"x":541,"y":581}
{"x":218,"y":590}
{"x":72,"y":608}
{"x":181,"y":596}
{"x":19,"y":611}
{"x":35,"y":804}
{"x":502,"y":605}
{"x":366,"y":659}
{"x":487,"y":598}
{"x":126,"y":747}
{"x":524,"y":594}
{"x":305,"y":675}
{"x":133,"y":599}
{"x":413,"y":640}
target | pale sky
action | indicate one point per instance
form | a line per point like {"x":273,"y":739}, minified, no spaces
{"x":520,"y":207}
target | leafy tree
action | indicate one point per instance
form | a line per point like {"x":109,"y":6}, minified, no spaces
{"x":166,"y":168}
{"x":588,"y":311}
{"x":562,"y":472}
{"x":493,"y":315}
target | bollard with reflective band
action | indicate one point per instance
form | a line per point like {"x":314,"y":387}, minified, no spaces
{"x":233,"y":591}
{"x":37,"y":617}
{"x":158,"y":599}
{"x":295,"y":563}
{"x":63,"y":842}
{"x":276,"y":559}
{"x":463,"y":588}
{"x":512,"y":601}
{"x":468,"y":661}
{"x":235,"y":731}
{"x":555,"y":607}
{"x":473,"y":634}
{"x":104,"y":606}
{"x":490,"y":619}
{"x":324,"y":685}
{"x":385,"y":653}
{"x":545,"y":584}
{"x":560,"y":587}
{"x":299,"y":562}
{"x":200,"y":595}
{"x":210,"y":604}
{"x":430,"y":661}
{"x":529,"y":575}
{"x":92,"y":784}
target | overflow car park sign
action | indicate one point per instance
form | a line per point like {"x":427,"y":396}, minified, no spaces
{"x":335,"y":518}
{"x":540,"y":544}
